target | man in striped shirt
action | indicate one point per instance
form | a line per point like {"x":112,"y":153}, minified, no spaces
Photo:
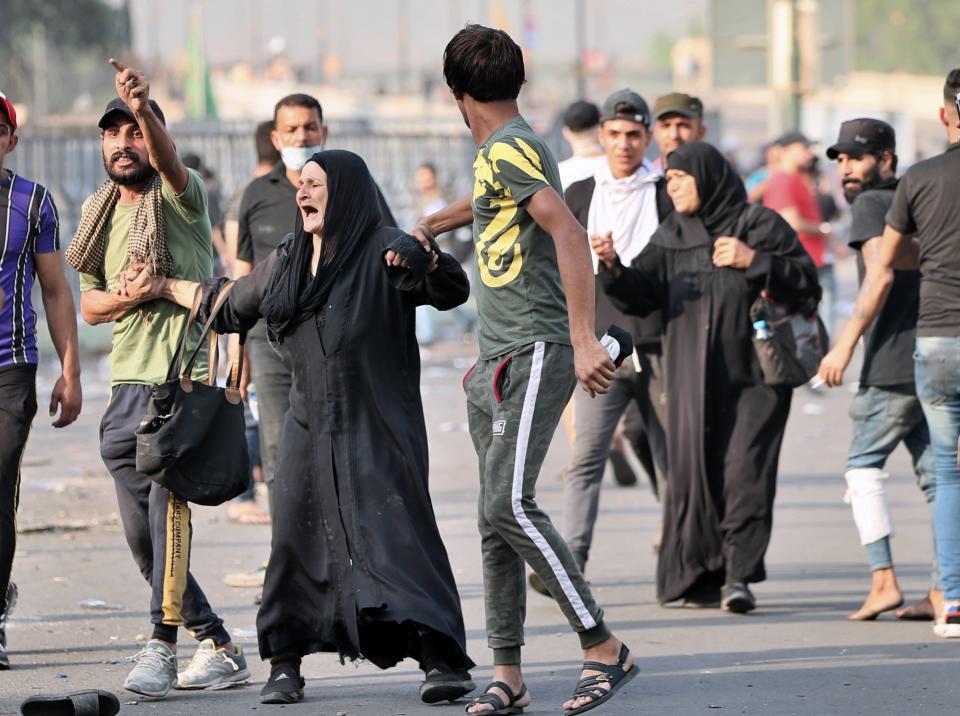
{"x":29,"y":248}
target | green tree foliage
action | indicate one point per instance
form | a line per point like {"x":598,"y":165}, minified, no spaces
{"x":74,"y":34}
{"x":918,"y":36}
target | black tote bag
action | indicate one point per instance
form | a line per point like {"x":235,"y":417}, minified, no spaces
{"x":192,"y":441}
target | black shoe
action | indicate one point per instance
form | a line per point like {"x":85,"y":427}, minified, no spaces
{"x":738,"y":598}
{"x":285,"y":686}
{"x":445,"y":684}
{"x":623,"y":474}
{"x":707,"y":597}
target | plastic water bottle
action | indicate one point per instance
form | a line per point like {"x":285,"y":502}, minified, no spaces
{"x":761,"y":331}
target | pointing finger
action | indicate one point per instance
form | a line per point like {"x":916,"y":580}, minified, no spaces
{"x":117,"y":65}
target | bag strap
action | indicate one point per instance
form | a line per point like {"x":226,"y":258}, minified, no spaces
{"x":236,"y":367}
{"x":173,"y":371}
{"x":207,"y":327}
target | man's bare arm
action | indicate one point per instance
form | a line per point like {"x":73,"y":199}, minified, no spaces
{"x":792,"y":216}
{"x":62,"y":323}
{"x":104,"y":307}
{"x":877,"y":281}
{"x":451,"y":217}
{"x":593,"y":365}
{"x":132,"y":87}
{"x":881,"y":255}
{"x":899,"y":251}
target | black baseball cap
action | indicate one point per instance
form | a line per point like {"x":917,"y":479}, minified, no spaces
{"x":626,"y":104}
{"x":678,"y":103}
{"x":862,"y":136}
{"x":581,"y":115}
{"x":794,"y":137}
{"x":118,"y":105}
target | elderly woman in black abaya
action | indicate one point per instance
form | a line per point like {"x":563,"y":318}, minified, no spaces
{"x":356,"y":565}
{"x":705,"y":266}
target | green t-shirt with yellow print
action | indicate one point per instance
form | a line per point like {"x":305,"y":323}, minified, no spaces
{"x":520,"y":298}
{"x":146,"y":338}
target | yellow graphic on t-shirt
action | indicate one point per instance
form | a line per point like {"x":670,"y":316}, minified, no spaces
{"x":499,"y":256}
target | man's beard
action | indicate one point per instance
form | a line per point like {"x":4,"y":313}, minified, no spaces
{"x":853,"y":189}
{"x":141,"y":175}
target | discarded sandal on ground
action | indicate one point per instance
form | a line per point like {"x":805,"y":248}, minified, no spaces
{"x":79,"y":703}
{"x":613,"y":674}
{"x":499,"y":707}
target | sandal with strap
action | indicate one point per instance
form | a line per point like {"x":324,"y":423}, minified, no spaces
{"x":613,"y":674}
{"x":499,"y":707}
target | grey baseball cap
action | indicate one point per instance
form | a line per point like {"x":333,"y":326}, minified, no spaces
{"x":626,"y":104}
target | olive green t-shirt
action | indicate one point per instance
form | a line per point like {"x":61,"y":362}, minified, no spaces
{"x":520,"y":298}
{"x":147,"y":337}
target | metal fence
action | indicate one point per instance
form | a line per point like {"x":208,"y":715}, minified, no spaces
{"x":68,"y":161}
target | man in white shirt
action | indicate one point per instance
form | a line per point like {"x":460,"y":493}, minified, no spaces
{"x":580,"y":123}
{"x":626,"y":199}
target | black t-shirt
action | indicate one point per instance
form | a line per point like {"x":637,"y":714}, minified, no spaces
{"x":889,"y":341}
{"x":268,"y":212}
{"x":926,"y":205}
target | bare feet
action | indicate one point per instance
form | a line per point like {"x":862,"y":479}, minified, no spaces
{"x":606,"y":653}
{"x":884,"y":595}
{"x":512,"y":676}
{"x":925,"y":609}
{"x":247,"y":512}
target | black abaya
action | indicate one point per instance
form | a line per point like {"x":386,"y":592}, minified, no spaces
{"x":357,"y":565}
{"x":724,"y":425}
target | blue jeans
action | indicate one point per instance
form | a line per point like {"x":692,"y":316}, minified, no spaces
{"x":937,"y":364}
{"x":253,"y":448}
{"x":828,"y":284}
{"x":882,"y":419}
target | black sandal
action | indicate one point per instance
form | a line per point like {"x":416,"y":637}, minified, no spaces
{"x":499,"y":707}
{"x":613,"y":674}
{"x":92,"y":702}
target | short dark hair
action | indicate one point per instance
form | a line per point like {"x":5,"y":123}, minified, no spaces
{"x":952,"y":85}
{"x":266,"y":152}
{"x":297,"y":100}
{"x":483,"y":63}
{"x":581,"y":116}
{"x":893,"y":159}
{"x":429,"y":166}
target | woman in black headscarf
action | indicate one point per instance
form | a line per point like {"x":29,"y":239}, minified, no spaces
{"x":356,"y":565}
{"x":705,"y":265}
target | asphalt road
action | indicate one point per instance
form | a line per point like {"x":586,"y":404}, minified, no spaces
{"x":797,"y":654}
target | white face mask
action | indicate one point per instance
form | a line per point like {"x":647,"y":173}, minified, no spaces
{"x":295,"y":157}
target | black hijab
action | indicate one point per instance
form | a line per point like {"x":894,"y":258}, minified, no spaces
{"x":351,"y":214}
{"x":722,"y":198}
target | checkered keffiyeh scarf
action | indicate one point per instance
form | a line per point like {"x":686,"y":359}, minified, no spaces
{"x":146,"y":242}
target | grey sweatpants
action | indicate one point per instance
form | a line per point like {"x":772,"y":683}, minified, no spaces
{"x":514,"y":403}
{"x":595,"y":420}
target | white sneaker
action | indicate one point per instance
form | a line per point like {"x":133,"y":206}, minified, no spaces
{"x":156,"y":671}
{"x":214,"y":667}
{"x":947,"y":625}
